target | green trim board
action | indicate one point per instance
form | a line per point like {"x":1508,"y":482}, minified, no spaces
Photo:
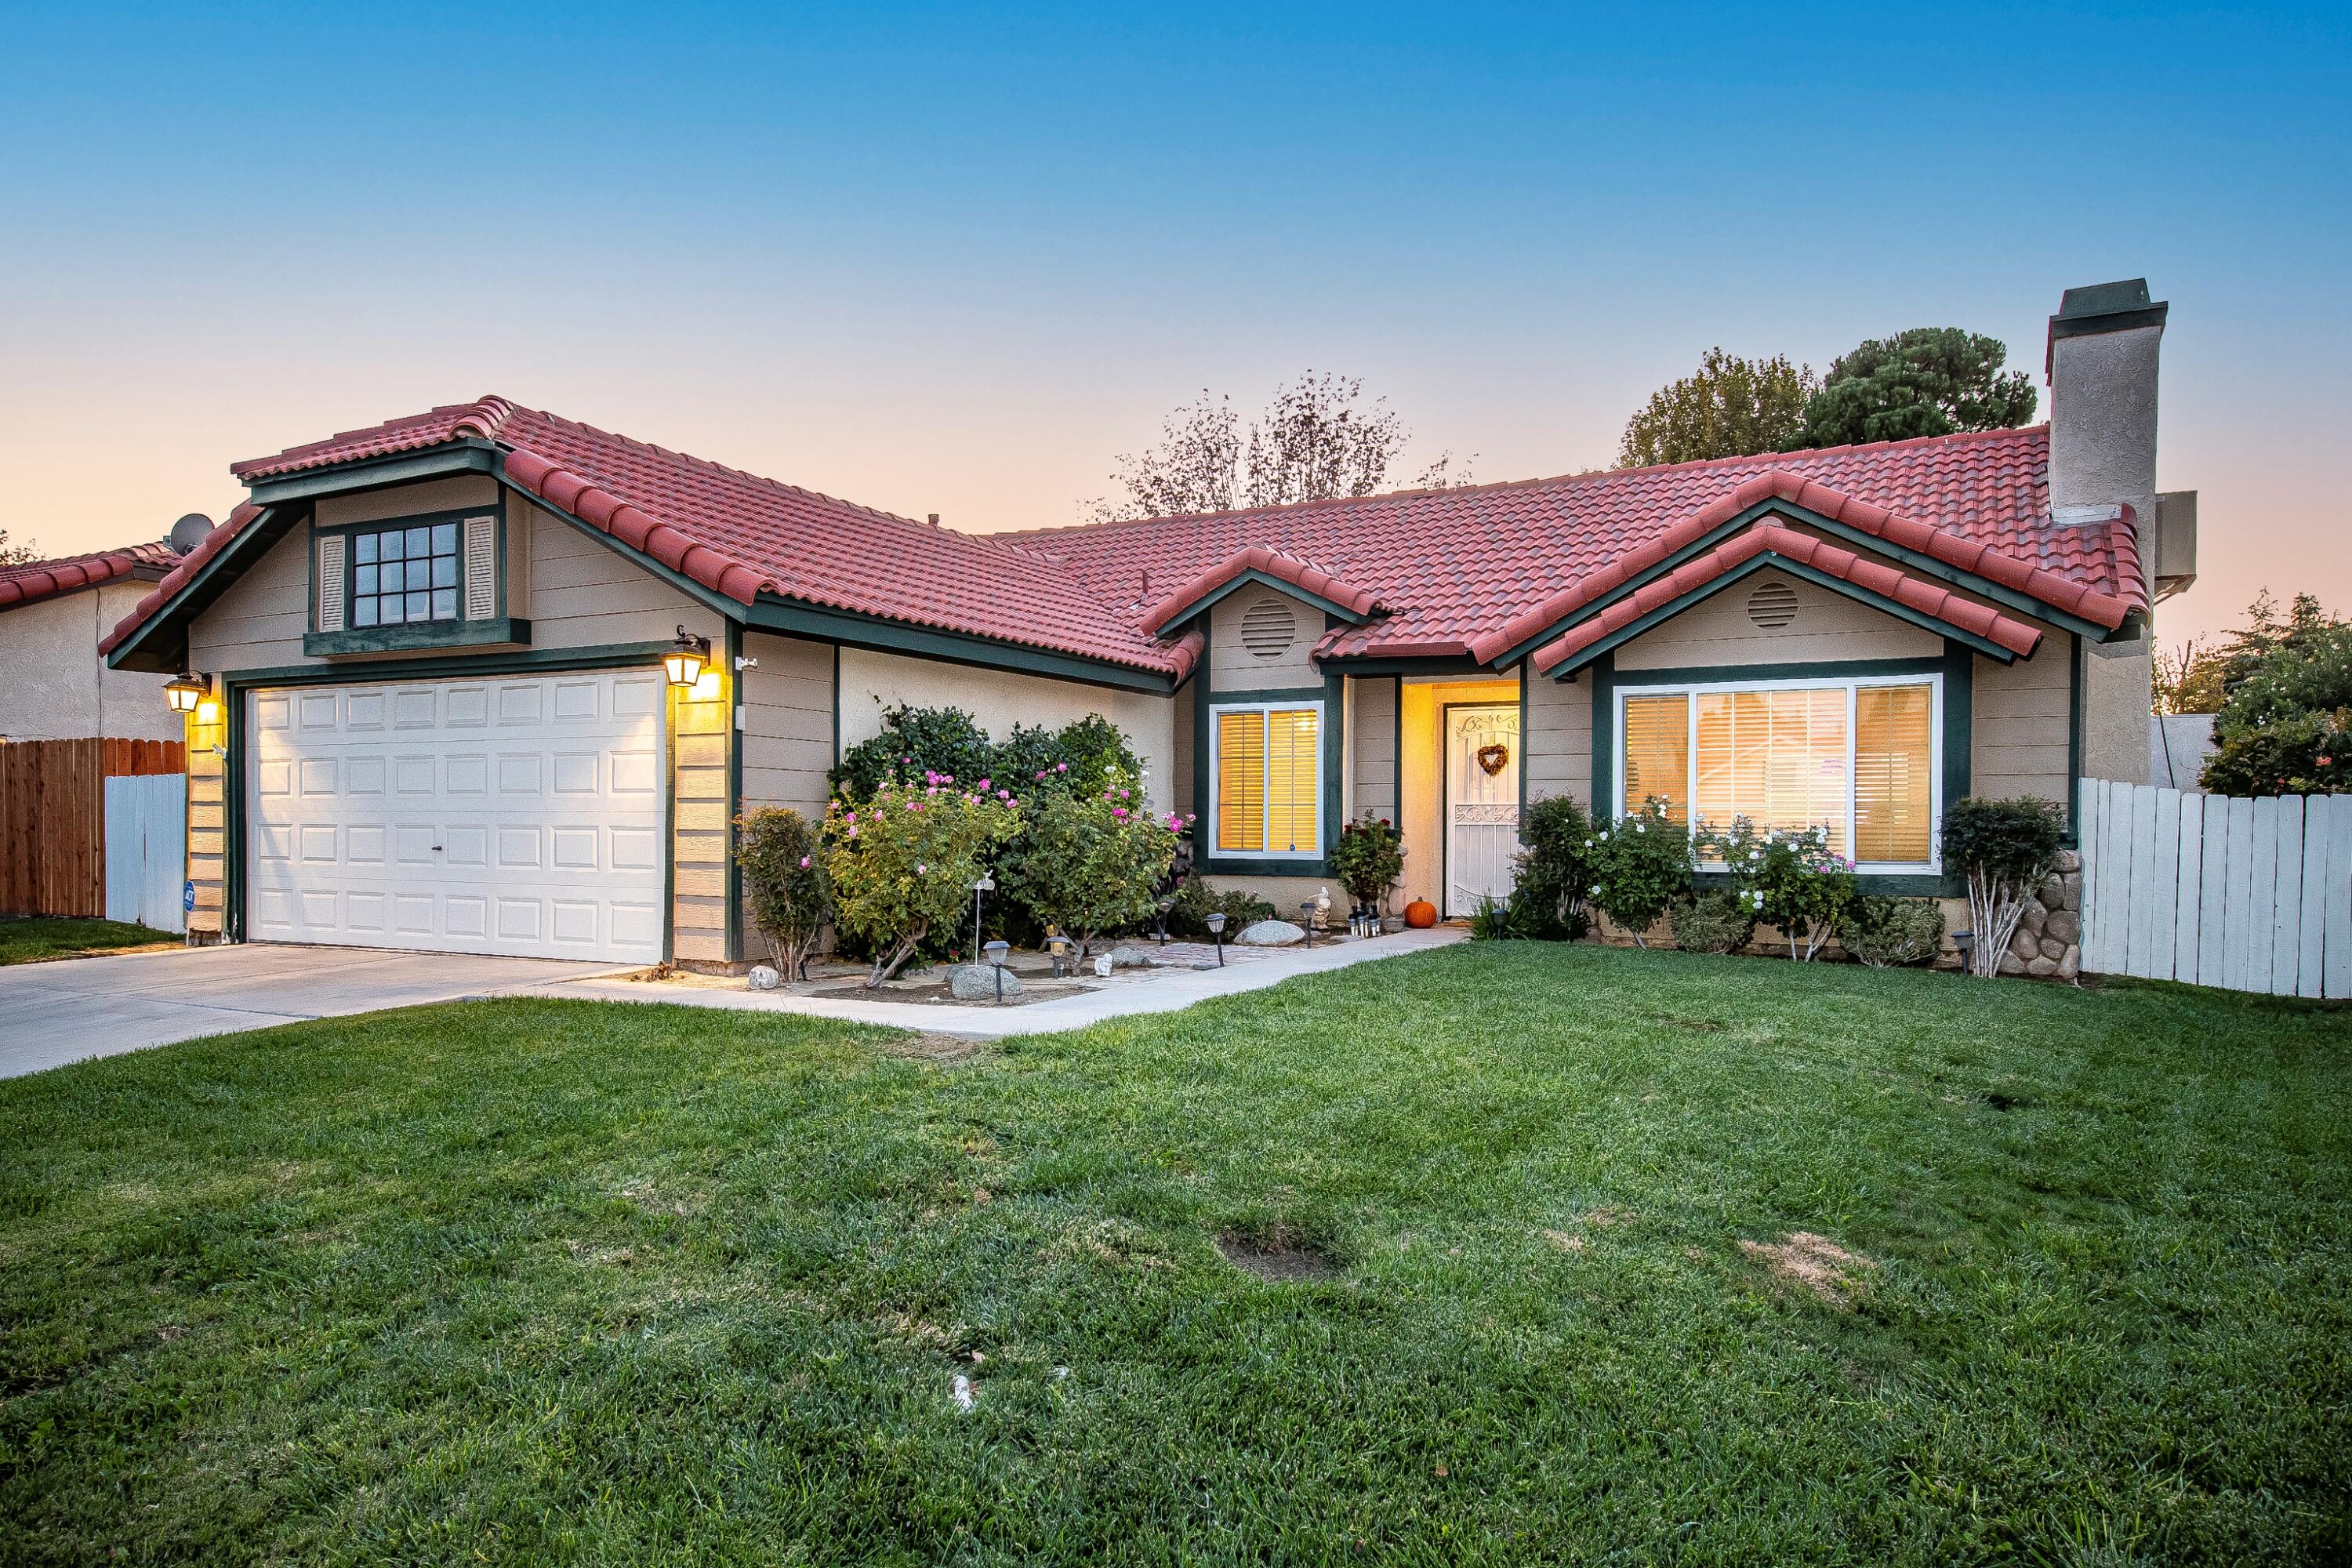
{"x":141,"y":650}
{"x":1774,"y":561}
{"x":1436,"y":664}
{"x":236,"y":684}
{"x":1332,"y":610}
{"x":465,"y":457}
{"x":734,"y":789}
{"x":1915,"y":560}
{"x":2074,"y":745}
{"x":794,"y":618}
{"x":415,"y":636}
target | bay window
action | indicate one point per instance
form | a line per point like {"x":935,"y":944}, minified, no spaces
{"x":1266,"y":769}
{"x":1862,"y":758}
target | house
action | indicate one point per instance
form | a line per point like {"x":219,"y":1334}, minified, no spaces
{"x":53,"y":616}
{"x":433,"y":658}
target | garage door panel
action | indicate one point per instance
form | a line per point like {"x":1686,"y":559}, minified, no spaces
{"x":518,"y":816}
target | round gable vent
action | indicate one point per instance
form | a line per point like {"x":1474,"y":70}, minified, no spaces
{"x":1772,"y":607}
{"x":1268,"y":628}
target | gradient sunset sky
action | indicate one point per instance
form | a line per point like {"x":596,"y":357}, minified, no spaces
{"x":954,"y":259}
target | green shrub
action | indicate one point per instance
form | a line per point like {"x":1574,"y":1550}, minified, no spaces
{"x":903,"y":863}
{"x":1640,"y":869}
{"x":1087,"y":864}
{"x":1196,"y":901}
{"x":914,"y":742}
{"x":1085,"y":756}
{"x":2287,"y":753}
{"x":1368,"y":859}
{"x":1554,"y":869}
{"x":2007,"y":849}
{"x":1787,"y":879}
{"x":2286,"y":727}
{"x":782,"y":861}
{"x":1714,"y":921}
{"x":1887,"y":933}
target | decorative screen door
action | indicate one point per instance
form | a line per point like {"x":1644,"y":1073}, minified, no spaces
{"x":1482,"y":803}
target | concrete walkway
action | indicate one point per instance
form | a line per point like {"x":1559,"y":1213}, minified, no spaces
{"x":1162,"y":994}
{"x":64,"y":1011}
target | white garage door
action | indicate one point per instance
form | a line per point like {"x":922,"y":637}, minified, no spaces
{"x":520,"y":816}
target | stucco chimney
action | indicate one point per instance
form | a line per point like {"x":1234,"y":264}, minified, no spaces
{"x":2102,"y":365}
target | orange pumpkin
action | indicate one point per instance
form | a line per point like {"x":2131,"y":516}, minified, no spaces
{"x":1420,"y":914}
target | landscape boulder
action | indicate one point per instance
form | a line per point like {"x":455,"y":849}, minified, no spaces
{"x":977,"y":983}
{"x":764,"y":978}
{"x":1271,"y":933}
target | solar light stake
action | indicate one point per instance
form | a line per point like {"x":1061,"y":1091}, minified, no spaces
{"x":1217,"y":930}
{"x":1307,"y":914}
{"x":987,"y":884}
{"x":996,"y":951}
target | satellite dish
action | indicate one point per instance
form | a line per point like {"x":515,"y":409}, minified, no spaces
{"x":189,"y":531}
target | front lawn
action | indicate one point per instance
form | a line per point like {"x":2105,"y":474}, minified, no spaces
{"x":549,"y":1281}
{"x":29,"y":939}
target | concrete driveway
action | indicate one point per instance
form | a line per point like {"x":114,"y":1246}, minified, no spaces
{"x":64,"y":1011}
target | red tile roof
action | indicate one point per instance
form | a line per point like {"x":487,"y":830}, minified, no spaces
{"x":32,"y":581}
{"x":1969,"y":555}
{"x":1451,"y":566}
{"x":1438,"y":571}
{"x":178,"y":576}
{"x":1272,"y":563}
{"x":1929,"y":598}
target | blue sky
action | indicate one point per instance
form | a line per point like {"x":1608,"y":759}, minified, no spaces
{"x":953,"y":259}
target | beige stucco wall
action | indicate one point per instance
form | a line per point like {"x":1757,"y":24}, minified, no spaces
{"x":873,"y":682}
{"x":1232,"y":666}
{"x":2019,"y":718}
{"x":55,"y":687}
{"x":1828,"y":625}
{"x":787,"y":724}
{"x":2117,"y":687}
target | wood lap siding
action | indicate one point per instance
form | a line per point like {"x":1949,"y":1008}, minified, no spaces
{"x":702,"y":732}
{"x":1373,"y":739}
{"x":53,"y":819}
{"x":787,"y":724}
{"x":1557,"y":739}
{"x":2020,"y":722}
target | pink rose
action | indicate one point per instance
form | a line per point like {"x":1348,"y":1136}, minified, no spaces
{"x":1118,"y":811}
{"x":803,"y":862}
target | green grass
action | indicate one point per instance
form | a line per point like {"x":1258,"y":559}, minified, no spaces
{"x":560,"y":1282}
{"x":30,"y":940}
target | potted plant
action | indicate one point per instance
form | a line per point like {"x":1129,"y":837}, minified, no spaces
{"x":1368,"y":860}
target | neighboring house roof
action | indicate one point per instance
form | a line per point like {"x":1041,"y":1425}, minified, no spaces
{"x":33,"y":581}
{"x":1413,"y":574}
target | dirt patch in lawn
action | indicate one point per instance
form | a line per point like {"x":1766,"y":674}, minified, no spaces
{"x":935,"y":1048}
{"x":1276,"y":1252}
{"x":1815,"y":1262}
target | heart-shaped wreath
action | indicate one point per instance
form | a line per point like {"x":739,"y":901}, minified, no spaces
{"x":1492,"y":756}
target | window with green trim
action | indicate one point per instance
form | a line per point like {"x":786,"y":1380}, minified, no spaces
{"x":403,"y":576}
{"x":1265,"y":770}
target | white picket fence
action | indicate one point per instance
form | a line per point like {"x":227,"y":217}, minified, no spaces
{"x":146,"y":843}
{"x":2249,"y":894}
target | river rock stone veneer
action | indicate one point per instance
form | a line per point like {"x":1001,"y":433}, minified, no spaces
{"x":2049,"y":939}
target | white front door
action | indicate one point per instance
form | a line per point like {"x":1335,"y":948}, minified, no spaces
{"x":520,"y":816}
{"x":1482,"y":803}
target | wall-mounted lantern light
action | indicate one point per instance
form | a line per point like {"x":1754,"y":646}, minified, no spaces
{"x":685,"y":661}
{"x":183,"y":692}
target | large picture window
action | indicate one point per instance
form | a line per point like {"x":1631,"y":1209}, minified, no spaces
{"x":405,"y":574}
{"x":1266,"y":770}
{"x":1861,"y":758}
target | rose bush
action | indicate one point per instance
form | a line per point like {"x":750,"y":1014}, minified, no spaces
{"x":1789,"y":877}
{"x":1087,"y":864}
{"x":1640,"y":869}
{"x":786,"y":884}
{"x":904,"y":861}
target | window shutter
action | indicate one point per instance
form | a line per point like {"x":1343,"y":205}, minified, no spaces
{"x":481,"y":568}
{"x":331,"y":582}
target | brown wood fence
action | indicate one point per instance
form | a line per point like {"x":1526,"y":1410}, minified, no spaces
{"x":53,"y":818}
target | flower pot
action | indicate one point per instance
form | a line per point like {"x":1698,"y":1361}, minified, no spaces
{"x":1420,"y":914}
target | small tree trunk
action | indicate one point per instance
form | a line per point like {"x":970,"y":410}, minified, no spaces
{"x":886,"y":963}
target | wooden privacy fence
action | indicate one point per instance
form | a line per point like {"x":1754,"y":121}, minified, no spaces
{"x":2250,"y":895}
{"x":53,"y":818}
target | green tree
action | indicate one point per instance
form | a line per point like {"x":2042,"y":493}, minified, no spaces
{"x":1731,"y":407}
{"x":1929,"y":381}
{"x":2286,"y":725}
